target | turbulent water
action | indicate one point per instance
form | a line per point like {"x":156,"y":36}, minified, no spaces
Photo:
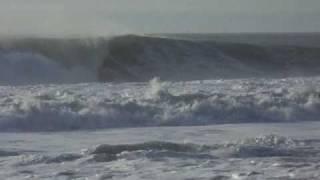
{"x":160,"y":107}
{"x":96,"y":106}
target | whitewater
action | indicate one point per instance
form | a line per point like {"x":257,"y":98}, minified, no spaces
{"x":160,"y":107}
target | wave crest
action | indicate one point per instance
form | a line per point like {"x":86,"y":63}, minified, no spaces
{"x":140,"y":58}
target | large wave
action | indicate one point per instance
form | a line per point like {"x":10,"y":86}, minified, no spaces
{"x":140,"y":58}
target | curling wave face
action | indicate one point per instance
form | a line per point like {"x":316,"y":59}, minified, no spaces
{"x":140,"y":58}
{"x":95,"y":106}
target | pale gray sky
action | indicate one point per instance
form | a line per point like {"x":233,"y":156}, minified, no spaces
{"x":103,"y":17}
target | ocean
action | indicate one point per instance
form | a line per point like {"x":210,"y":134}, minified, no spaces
{"x":161,"y":106}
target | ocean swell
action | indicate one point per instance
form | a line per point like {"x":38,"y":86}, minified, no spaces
{"x":131,"y":58}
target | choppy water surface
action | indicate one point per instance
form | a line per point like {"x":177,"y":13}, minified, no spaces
{"x":242,"y":151}
{"x":255,"y":129}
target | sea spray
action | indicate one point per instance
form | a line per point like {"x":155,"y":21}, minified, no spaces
{"x":157,"y":89}
{"x":157,"y":103}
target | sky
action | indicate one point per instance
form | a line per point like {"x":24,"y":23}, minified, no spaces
{"x":104,"y":17}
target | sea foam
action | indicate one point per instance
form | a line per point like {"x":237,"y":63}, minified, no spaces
{"x":94,"y":106}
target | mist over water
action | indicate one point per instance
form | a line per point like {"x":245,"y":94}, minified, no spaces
{"x":20,"y":68}
{"x":36,"y":20}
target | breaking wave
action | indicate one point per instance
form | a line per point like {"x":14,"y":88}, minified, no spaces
{"x":140,"y":58}
{"x":96,"y":106}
